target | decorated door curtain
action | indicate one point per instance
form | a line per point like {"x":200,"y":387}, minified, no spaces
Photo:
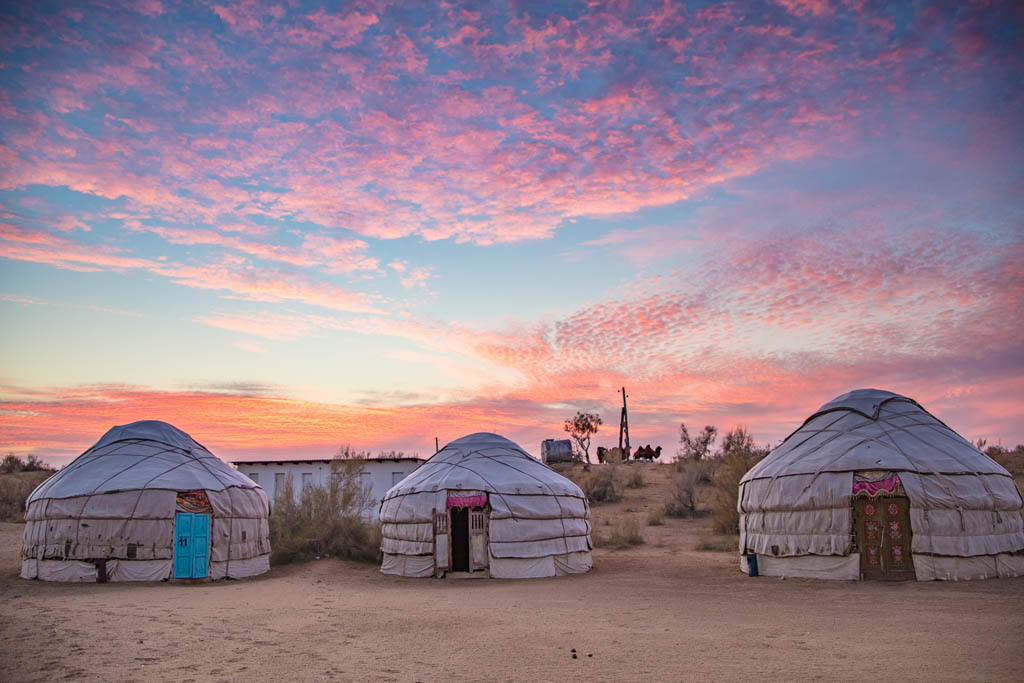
{"x":192,"y":501}
{"x":875,"y":483}
{"x":884,"y":519}
{"x":467,"y":499}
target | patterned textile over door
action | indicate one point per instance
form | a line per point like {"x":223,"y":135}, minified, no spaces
{"x":883,"y":536}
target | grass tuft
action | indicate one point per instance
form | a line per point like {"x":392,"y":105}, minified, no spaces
{"x":717,"y":542}
{"x":621,"y":536}
{"x":635,"y":478}
{"x":656,"y":517}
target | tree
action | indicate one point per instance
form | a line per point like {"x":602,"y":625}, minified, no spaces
{"x":698,"y":447}
{"x":581,"y":428}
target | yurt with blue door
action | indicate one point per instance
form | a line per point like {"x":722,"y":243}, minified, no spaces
{"x":482,"y":506}
{"x":146,"y":503}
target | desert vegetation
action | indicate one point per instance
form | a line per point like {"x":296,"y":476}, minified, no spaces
{"x":12,"y":464}
{"x":719,"y":470}
{"x":325,"y":520}
{"x":602,"y":484}
{"x":580,"y":428}
{"x":18,"y":478}
{"x":619,"y":535}
{"x":681,"y":500}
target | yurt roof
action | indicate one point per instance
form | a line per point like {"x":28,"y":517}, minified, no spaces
{"x":871,"y":429}
{"x":146,"y":454}
{"x":485,"y":462}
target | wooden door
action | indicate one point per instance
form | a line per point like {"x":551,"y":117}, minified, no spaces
{"x":478,"y":555}
{"x":191,"y":545}
{"x":441,"y":561}
{"x":200,"y":546}
{"x":883,"y":536}
{"x":183,"y":545}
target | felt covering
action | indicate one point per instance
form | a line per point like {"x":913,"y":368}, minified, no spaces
{"x":117,"y":502}
{"x":797,"y":501}
{"x":538,"y":521}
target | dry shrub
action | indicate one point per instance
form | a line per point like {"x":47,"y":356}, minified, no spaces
{"x":656,"y":517}
{"x":574,"y":472}
{"x":682,"y":495}
{"x":602,"y":484}
{"x":1013,"y":460}
{"x":738,"y":457}
{"x":635,"y":478}
{"x":12,"y":463}
{"x":326,"y":520}
{"x":716,"y":543}
{"x":704,"y":469}
{"x":14,"y":491}
{"x":623,"y":535}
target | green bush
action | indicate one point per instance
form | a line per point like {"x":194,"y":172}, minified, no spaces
{"x":656,"y":517}
{"x":326,"y":520}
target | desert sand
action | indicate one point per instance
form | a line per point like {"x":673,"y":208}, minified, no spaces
{"x":660,"y":611}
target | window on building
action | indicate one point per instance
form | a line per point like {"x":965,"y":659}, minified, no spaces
{"x":255,"y":476}
{"x":307,"y":479}
{"x":278,"y":482}
{"x":397,"y":477}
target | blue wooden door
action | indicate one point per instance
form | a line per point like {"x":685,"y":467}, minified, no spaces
{"x":183,"y":545}
{"x":191,"y":545}
{"x":200,"y":546}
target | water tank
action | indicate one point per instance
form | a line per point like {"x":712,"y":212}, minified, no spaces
{"x":555,"y":450}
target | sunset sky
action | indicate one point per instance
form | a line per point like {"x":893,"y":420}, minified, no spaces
{"x":288,"y":226}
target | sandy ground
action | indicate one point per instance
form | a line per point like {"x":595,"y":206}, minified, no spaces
{"x":661,"y":611}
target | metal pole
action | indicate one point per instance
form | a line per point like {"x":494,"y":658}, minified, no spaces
{"x":626,"y":426}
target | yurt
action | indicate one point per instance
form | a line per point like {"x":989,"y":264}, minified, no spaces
{"x":872,"y":486}
{"x":483,"y":506}
{"x":146,"y":503}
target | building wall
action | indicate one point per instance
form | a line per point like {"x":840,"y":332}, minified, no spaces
{"x":378,"y":476}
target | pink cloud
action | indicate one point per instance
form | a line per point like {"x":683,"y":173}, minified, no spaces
{"x":802,"y":8}
{"x":228,"y":275}
{"x":274,"y":326}
{"x":150,"y":8}
{"x":267,"y":286}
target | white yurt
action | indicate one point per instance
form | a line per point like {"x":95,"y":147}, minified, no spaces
{"x":872,"y":486}
{"x":482,"y":505}
{"x":147,"y":502}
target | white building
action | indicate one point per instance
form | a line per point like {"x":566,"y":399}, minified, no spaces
{"x":379,"y":474}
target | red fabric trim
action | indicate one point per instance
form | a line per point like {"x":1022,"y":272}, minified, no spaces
{"x":467,"y":501}
{"x":873,"y":488}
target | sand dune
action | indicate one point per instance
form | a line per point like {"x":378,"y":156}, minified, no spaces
{"x":658,"y":612}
